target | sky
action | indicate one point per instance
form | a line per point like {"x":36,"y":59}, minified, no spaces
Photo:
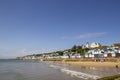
{"x":38,"y":26}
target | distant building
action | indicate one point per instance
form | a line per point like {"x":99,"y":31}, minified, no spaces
{"x":117,"y":45}
{"x":91,"y":45}
{"x":103,"y":52}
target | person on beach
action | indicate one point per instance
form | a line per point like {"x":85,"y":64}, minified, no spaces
{"x":69,"y":56}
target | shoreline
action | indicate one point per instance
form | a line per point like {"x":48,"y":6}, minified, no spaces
{"x":88,"y":63}
{"x":109,"y":62}
{"x":98,"y":65}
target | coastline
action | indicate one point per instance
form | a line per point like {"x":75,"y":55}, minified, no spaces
{"x":88,"y":64}
{"x":109,"y":62}
{"x":78,"y":63}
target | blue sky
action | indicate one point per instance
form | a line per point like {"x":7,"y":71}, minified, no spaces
{"x":35,"y":26}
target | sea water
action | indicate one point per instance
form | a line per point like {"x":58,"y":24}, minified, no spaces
{"x":40,"y":70}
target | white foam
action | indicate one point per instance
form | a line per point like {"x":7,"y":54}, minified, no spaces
{"x":55,"y":67}
{"x":76,"y":73}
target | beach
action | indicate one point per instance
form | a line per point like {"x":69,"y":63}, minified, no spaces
{"x":96,"y":64}
{"x":56,"y":70}
{"x":111,"y":62}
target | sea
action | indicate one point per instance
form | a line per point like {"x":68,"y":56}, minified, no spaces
{"x":41,"y":70}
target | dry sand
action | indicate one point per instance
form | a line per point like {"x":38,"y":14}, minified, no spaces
{"x":95,"y":64}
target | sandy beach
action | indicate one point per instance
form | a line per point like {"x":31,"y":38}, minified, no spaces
{"x":95,"y":64}
{"x":88,"y":62}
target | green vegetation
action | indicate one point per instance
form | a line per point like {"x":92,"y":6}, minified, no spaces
{"x":60,"y":53}
{"x":115,"y":77}
{"x":78,"y":49}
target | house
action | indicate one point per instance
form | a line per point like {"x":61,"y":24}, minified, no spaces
{"x":95,"y":53}
{"x":116,"y":45}
{"x":91,"y":45}
{"x":106,"y":52}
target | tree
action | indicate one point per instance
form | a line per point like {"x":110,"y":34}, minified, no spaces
{"x":60,"y":53}
{"x":79,"y":47}
{"x":73,"y":49}
{"x":82,"y":52}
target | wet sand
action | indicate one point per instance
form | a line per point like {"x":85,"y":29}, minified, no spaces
{"x":101,"y":69}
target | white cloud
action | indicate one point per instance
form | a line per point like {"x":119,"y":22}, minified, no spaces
{"x":90,"y":35}
{"x":87,"y":35}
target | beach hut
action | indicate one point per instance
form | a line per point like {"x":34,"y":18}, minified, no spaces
{"x":105,"y":55}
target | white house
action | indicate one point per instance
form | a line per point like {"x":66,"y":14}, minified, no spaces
{"x":92,"y":45}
